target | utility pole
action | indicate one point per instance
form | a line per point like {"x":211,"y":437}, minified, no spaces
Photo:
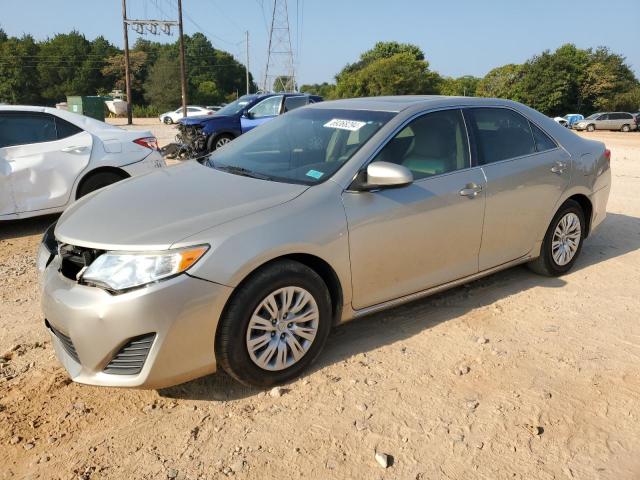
{"x":246,"y":69}
{"x":127,"y":73}
{"x":183,"y":68}
{"x":155,"y":27}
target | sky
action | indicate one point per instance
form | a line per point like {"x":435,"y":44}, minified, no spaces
{"x":459,"y":37}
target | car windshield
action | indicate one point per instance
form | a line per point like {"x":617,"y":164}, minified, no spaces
{"x":593,"y":117}
{"x":305,"y":146}
{"x":236,"y":107}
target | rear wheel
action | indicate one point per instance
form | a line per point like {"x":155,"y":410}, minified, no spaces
{"x":562,"y":242}
{"x":98,"y":180}
{"x":591,"y":128}
{"x":275,"y":325}
{"x":626,"y":128}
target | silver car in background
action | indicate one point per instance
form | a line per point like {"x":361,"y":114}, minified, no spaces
{"x":622,"y":121}
{"x":246,"y":260}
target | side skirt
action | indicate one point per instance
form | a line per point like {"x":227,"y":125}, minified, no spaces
{"x":350,"y":314}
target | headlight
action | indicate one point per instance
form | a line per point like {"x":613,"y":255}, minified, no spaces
{"x":47,"y":250}
{"x":119,"y":271}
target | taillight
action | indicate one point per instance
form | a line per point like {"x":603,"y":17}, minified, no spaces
{"x":147,"y":142}
{"x":607,"y":154}
{"x":209,"y":113}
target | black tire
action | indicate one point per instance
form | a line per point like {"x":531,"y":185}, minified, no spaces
{"x":545,"y":263}
{"x":231,"y":350}
{"x":98,"y":180}
{"x":217,"y":141}
{"x":626,"y":128}
{"x":591,"y":128}
{"x":167,"y":120}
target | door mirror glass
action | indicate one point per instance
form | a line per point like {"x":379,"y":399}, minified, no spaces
{"x":384,"y":175}
{"x":247,"y":114}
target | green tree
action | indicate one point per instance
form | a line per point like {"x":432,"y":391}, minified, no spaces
{"x":284,"y":83}
{"x":19,"y":82}
{"x":463,"y":86}
{"x":325,"y":90}
{"x":114,"y":70}
{"x":69,"y":64}
{"x":606,"y":78}
{"x":390,"y":68}
{"x":162,"y":87}
{"x":501,"y":82}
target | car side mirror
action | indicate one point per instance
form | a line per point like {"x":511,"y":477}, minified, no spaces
{"x":247,"y":114}
{"x":382,"y":175}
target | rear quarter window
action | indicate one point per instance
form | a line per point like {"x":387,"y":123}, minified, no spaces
{"x":542,"y":140}
{"x":66,"y":129}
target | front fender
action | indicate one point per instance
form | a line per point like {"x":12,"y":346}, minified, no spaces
{"x":313,"y":223}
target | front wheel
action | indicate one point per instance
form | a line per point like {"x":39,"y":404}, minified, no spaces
{"x":591,"y":128}
{"x":275,"y":325}
{"x":219,"y":141}
{"x":168,"y":120}
{"x":562,"y":242}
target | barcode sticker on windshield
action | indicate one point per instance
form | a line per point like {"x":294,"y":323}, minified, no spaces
{"x":351,"y":125}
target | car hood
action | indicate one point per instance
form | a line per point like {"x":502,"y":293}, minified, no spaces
{"x":156,"y":210}
{"x":200,"y":119}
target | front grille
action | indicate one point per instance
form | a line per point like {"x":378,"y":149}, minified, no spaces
{"x":67,"y":344}
{"x":130,"y":359}
{"x":74,"y":259}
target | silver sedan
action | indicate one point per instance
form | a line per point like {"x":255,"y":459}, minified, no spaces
{"x":246,"y":260}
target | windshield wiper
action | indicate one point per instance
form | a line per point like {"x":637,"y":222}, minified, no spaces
{"x":245,"y":172}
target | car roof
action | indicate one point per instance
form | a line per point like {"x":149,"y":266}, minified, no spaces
{"x":415,"y":102}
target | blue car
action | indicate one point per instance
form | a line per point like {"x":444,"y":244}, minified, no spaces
{"x":204,"y":134}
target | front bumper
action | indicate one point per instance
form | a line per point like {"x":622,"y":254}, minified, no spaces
{"x":182,"y":312}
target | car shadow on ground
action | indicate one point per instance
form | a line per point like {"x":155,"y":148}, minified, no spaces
{"x":10,"y":229}
{"x":619,"y":235}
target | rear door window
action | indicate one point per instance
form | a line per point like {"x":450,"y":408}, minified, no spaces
{"x":501,"y":134}
{"x":291,"y":103}
{"x":26,"y":128}
{"x":542,"y":140}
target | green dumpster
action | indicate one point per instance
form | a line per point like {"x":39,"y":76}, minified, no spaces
{"x":90,"y":106}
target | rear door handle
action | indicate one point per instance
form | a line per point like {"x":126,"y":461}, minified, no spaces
{"x":75,"y":148}
{"x":471,"y":190}
{"x":559,"y":167}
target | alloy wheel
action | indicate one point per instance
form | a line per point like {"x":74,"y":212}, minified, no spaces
{"x":222,"y":141}
{"x":566,"y":239}
{"x":282,"y":328}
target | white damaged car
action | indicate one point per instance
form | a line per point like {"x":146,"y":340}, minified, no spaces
{"x":49,"y":158}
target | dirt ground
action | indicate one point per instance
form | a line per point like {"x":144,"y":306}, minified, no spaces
{"x":551,"y":389}
{"x":164,"y":133}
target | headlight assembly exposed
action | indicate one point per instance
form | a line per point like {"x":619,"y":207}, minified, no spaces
{"x":47,"y":250}
{"x":118,"y":271}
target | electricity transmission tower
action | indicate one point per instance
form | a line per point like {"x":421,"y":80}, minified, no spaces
{"x":279,"y":74}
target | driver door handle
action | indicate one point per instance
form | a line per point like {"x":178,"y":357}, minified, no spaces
{"x":471,"y":190}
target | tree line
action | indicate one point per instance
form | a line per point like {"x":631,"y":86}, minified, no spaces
{"x":45,"y":72}
{"x":568,"y":80}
